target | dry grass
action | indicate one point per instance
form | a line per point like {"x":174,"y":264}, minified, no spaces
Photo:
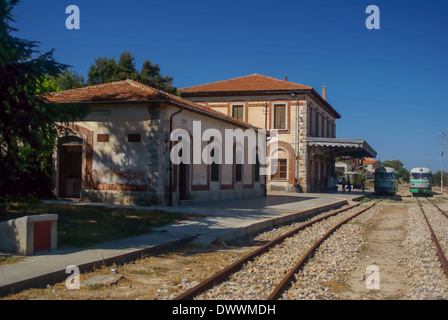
{"x":84,"y":226}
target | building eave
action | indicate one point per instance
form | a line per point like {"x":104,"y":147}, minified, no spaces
{"x":356,"y":148}
{"x":242,"y":93}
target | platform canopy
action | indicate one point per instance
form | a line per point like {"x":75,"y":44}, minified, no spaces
{"x":355,"y":148}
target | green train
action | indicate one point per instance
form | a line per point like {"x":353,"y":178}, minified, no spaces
{"x":420,"y":181}
{"x":386,"y":180}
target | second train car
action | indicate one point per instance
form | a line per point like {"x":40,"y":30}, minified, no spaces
{"x":386,"y":180}
{"x":420,"y":181}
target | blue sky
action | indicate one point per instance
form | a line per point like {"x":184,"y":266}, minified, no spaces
{"x":389,"y":85}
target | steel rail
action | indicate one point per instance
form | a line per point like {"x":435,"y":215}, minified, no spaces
{"x":289,"y":277}
{"x":226,"y":272}
{"x":440,"y":253}
{"x":438,"y":208}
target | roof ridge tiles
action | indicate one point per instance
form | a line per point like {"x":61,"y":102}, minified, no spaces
{"x":215,"y":82}
{"x":254,"y":82}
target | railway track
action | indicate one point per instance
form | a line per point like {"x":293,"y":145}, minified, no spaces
{"x":435,"y":239}
{"x":292,"y":246}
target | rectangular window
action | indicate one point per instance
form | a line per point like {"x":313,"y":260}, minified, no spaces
{"x":280,"y":116}
{"x":238,"y":172}
{"x":99,"y":112}
{"x":319,"y":125}
{"x":214,"y":176}
{"x":322,"y":131}
{"x":102,"y":138}
{"x":134,"y":137}
{"x":238,"y":112}
{"x":324,"y":128}
{"x":308,"y":124}
{"x":281,"y":173}
{"x":214,"y":168}
{"x":257,"y":169}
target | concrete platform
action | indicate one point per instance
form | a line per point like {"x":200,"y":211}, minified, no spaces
{"x":226,"y":220}
{"x":222,"y":221}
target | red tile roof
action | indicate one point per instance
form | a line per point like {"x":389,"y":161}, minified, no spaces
{"x":130,"y":90}
{"x":255,"y":82}
{"x":370,"y":161}
{"x":120,"y":90}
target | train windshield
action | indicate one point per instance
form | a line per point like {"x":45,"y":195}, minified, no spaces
{"x":384,"y":176}
{"x":421,"y":176}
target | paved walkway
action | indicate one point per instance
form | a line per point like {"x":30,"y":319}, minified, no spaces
{"x":222,"y":221}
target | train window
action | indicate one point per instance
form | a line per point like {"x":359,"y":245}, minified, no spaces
{"x":389,"y":176}
{"x":421,"y":176}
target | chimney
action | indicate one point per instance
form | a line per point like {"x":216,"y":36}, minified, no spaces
{"x":324,"y":92}
{"x":286,"y":78}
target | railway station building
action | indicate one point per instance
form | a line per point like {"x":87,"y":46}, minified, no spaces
{"x":302,"y":120}
{"x":121,"y":152}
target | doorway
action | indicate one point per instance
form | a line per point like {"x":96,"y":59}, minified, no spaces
{"x":70,"y":168}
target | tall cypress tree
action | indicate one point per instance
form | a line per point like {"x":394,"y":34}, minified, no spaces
{"x":28,"y":122}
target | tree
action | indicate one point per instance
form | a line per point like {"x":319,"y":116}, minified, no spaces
{"x":436,"y":178}
{"x":68,"y":79}
{"x":404,"y":174}
{"x":398,"y":165}
{"x":28,"y":122}
{"x":126,"y":68}
{"x":150,"y":75}
{"x":103,"y":71}
{"x":106,"y":70}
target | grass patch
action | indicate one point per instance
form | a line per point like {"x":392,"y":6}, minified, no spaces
{"x":365,"y":199}
{"x":84,"y":226}
{"x":337,"y":286}
{"x":6,"y":258}
{"x":96,"y":287}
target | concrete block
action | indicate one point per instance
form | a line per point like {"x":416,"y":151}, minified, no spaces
{"x":30,"y":234}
